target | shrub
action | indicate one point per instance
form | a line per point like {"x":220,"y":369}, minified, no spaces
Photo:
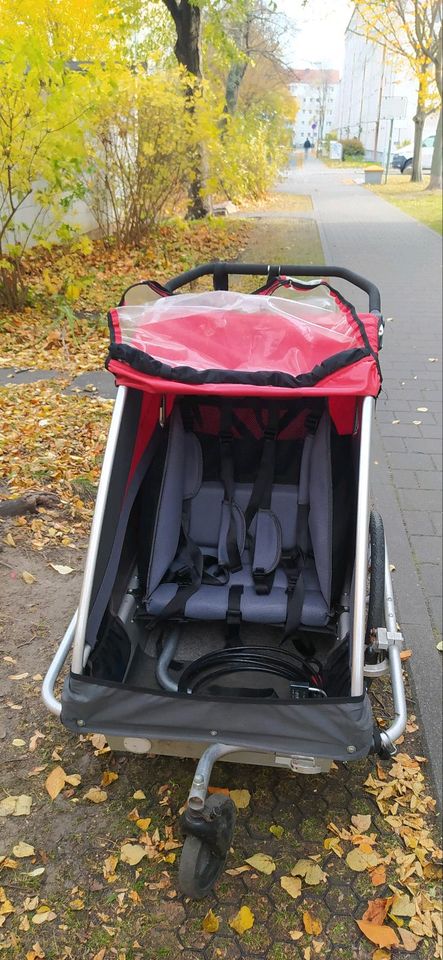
{"x":352,"y":147}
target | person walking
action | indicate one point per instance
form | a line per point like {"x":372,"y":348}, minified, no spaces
{"x":307,"y":147}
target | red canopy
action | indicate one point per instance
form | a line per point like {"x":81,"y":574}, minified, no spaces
{"x":224,"y":342}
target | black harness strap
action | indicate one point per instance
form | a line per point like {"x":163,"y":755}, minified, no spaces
{"x":262,"y":489}
{"x":233,"y":616}
{"x":294,"y":564}
{"x":227,"y":478}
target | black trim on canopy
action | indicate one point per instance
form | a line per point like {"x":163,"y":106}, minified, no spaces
{"x":144,"y":363}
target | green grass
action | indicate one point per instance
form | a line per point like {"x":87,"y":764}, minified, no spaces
{"x":414,"y":199}
{"x":345,"y":164}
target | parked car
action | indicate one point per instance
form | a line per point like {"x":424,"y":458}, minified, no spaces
{"x":406,"y":157}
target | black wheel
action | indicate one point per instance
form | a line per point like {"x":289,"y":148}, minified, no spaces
{"x":200,"y":866}
{"x":376,"y":604}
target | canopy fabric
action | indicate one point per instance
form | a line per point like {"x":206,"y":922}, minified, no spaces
{"x":228,"y":342}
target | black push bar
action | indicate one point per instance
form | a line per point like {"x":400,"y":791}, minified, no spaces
{"x":221,"y":270}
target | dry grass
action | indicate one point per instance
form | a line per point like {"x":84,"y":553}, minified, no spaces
{"x":414,"y":199}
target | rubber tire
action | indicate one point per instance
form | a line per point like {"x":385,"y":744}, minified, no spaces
{"x":406,"y":166}
{"x":376,"y":605}
{"x":199,"y":867}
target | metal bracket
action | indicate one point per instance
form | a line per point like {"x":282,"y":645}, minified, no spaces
{"x":388,"y":638}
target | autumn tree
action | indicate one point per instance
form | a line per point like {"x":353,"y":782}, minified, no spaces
{"x":48,"y":84}
{"x":411,"y":29}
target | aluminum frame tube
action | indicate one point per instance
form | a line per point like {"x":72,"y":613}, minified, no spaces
{"x":200,"y":783}
{"x":396,"y":729}
{"x":96,"y":529}
{"x":49,"y":699}
{"x":361,"y":550}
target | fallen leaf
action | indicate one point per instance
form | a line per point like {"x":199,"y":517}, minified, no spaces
{"x":132,"y":853}
{"x":317,"y":945}
{"x":143,"y":823}
{"x":405,"y":654}
{"x":358,"y":861}
{"x":236,"y":871}
{"x":381,"y":953}
{"x":9,"y":539}
{"x":241,"y":798}
{"x":333,"y":843}
{"x":95,"y":795}
{"x":109,"y":868}
{"x":296,"y":934}
{"x":18,"y":676}
{"x":262,"y":862}
{"x":223,"y":790}
{"x":17,"y":742}
{"x":292,"y":885}
{"x":210,"y":922}
{"x":242,"y":921}
{"x":409,"y":940}
{"x":36,"y":953}
{"x":37,"y":872}
{"x":34,"y":740}
{"x":378,"y":875}
{"x":28,"y":577}
{"x":77,"y":904}
{"x":60,"y":568}
{"x":16,"y":806}
{"x":311,"y":925}
{"x":439,"y":646}
{"x":422,"y":409}
{"x":23,"y":849}
{"x":312,"y":872}
{"x":276,"y":830}
{"x":74,"y":779}
{"x":139,"y":795}
{"x":377,"y":910}
{"x":403,"y":906}
{"x":380,"y":934}
{"x":361,"y":822}
{"x":44,"y":915}
{"x":108,"y":777}
{"x":55,"y":782}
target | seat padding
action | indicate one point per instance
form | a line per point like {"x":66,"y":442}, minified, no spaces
{"x":205,"y":510}
{"x":211,"y":602}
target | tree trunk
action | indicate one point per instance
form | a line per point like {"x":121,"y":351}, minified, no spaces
{"x":187,"y":20}
{"x":419,"y":122}
{"x":435,"y":182}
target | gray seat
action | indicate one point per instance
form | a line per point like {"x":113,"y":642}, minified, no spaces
{"x":186,"y":497}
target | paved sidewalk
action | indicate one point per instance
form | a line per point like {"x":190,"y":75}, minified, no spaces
{"x":403,"y":257}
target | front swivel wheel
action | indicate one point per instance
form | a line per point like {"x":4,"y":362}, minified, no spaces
{"x":208,"y":838}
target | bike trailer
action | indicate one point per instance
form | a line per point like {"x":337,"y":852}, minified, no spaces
{"x":237,"y":597}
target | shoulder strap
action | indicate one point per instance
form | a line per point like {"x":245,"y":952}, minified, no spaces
{"x":227,"y":477}
{"x":295,"y":564}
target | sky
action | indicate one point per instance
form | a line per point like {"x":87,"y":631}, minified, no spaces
{"x":320,"y":28}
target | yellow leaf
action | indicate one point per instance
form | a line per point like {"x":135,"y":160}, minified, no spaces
{"x":109,"y":868}
{"x":61,"y":569}
{"x":403,"y":906}
{"x":262,"y":862}
{"x":242,"y":921}
{"x":292,"y":885}
{"x":296,"y":934}
{"x":36,"y":953}
{"x":44,"y":915}
{"x":9,"y":539}
{"x":95,"y":795}
{"x":378,"y":875}
{"x":312,"y":872}
{"x":132,"y":853}
{"x":73,"y":779}
{"x":16,"y":806}
{"x":77,"y":904}
{"x":210,"y":922}
{"x":139,"y":795}
{"x":318,"y":945}
{"x":381,"y":954}
{"x":23,"y":849}
{"x":236,"y":871}
{"x":17,"y":742}
{"x":361,"y":822}
{"x":108,"y":777}
{"x":55,"y":782}
{"x":276,"y":830}
{"x":311,"y":925}
{"x":144,"y":823}
{"x":359,"y":861}
{"x":28,"y":577}
{"x":333,"y":843}
{"x":378,"y":933}
{"x":241,"y":798}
